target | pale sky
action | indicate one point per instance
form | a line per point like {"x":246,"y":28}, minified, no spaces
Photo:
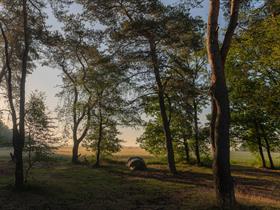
{"x":47,"y":80}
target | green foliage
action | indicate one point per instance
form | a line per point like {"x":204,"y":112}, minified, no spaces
{"x":253,"y":75}
{"x":153,"y":139}
{"x":41,"y":138}
{"x":110,"y":142}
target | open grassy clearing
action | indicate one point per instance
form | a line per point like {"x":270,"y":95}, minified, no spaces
{"x":249,"y":159}
{"x":60,"y":185}
{"x":237,"y":157}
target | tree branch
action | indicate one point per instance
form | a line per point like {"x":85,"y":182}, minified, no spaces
{"x":234,"y":11}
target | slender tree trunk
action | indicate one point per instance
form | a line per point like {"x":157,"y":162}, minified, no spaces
{"x":165,"y":121}
{"x":77,"y":120}
{"x":267,"y":147}
{"x":29,"y":159}
{"x":98,"y":150}
{"x":269,"y":153}
{"x":196,"y":134}
{"x":18,"y":147}
{"x":17,"y":142}
{"x":187,"y":150}
{"x":18,"y":128}
{"x":259,"y":141}
{"x":75,"y":152}
{"x":261,"y":153}
{"x":6,"y":65}
{"x":100,"y":136}
{"x":20,"y":136}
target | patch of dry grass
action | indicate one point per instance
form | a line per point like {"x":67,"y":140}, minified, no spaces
{"x":133,"y":151}
{"x":254,"y":200}
{"x":126,"y":151}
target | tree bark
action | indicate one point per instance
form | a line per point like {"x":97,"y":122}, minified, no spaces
{"x":267,"y":147}
{"x":187,"y":150}
{"x":261,"y":153}
{"x":259,"y":141}
{"x":17,"y":142}
{"x":165,"y":121}
{"x":196,"y":134}
{"x":100,"y":136}
{"x":18,"y":128}
{"x":18,"y":147}
{"x":75,"y":152}
{"x":77,"y":119}
{"x":221,"y":160}
{"x":220,"y":121}
{"x":269,"y":154}
{"x":19,"y":137}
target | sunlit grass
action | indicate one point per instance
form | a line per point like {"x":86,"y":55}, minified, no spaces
{"x":237,"y":157}
{"x":250,"y":159}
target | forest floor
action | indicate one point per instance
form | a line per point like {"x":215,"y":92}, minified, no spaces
{"x":60,"y":185}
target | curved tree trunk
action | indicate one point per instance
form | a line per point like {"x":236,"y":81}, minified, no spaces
{"x":164,"y":117}
{"x":259,"y":141}
{"x":86,"y":113}
{"x":75,"y":152}
{"x":221,"y":149}
{"x":168,"y":137}
{"x":220,"y":121}
{"x":98,"y":151}
{"x":261,"y":153}
{"x":196,"y":132}
{"x":269,"y":153}
{"x":19,"y":138}
{"x":187,"y":150}
{"x":18,"y":143}
{"x":100,"y":136}
{"x":267,"y":146}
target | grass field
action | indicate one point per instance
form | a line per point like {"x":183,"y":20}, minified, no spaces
{"x":61,"y":185}
{"x":249,"y":159}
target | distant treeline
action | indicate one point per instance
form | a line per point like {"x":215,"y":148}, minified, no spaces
{"x":5,"y":135}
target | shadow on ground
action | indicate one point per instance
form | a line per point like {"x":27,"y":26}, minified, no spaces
{"x":63,"y":186}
